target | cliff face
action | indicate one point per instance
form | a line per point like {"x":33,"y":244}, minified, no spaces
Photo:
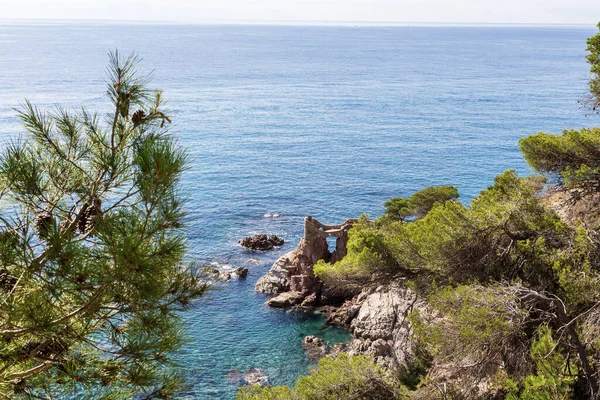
{"x":380,"y":324}
{"x":572,"y":206}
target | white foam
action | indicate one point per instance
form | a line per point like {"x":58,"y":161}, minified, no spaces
{"x":271,"y":215}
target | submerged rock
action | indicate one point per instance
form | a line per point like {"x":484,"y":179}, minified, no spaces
{"x":224,"y":274}
{"x":261,"y":242}
{"x":256,"y":376}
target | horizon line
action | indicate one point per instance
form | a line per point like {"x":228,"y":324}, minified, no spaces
{"x":292,"y":22}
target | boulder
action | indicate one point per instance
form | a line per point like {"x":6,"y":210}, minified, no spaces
{"x":261,"y":242}
{"x":287,"y":299}
{"x":239,"y":272}
{"x":343,"y":315}
{"x":277,"y":279}
{"x":310,"y":301}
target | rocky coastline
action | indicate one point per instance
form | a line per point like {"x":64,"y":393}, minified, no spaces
{"x":377,"y":317}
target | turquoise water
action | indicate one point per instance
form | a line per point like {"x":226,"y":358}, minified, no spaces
{"x":326,"y":121}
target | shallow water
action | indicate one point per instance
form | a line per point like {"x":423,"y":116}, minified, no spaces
{"x":296,"y":121}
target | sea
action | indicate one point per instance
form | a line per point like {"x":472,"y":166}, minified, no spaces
{"x":282,"y":122}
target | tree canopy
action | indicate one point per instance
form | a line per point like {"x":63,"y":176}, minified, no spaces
{"x":92,"y":250}
{"x":419,"y":204}
{"x":593,"y":59}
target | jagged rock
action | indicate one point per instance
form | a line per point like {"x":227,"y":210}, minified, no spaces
{"x":286,"y":299}
{"x":310,"y":300}
{"x":276,"y":280}
{"x":276,"y":241}
{"x":261,"y":242}
{"x":294,"y":270}
{"x":315,"y":347}
{"x":239,"y":272}
{"x":381,"y":327}
{"x":343,"y":315}
{"x":210,"y":270}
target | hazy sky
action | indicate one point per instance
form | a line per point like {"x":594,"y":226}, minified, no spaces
{"x":444,"y":11}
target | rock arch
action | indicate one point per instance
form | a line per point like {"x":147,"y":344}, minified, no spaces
{"x":292,"y":277}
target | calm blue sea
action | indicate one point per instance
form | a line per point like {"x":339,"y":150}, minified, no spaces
{"x":296,"y":121}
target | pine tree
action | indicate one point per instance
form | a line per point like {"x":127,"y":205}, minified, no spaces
{"x":92,"y":273}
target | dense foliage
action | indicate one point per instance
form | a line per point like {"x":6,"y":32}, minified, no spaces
{"x":419,"y":204}
{"x":91,"y":249}
{"x":345,"y":377}
{"x":499,"y":271}
{"x":593,"y":59}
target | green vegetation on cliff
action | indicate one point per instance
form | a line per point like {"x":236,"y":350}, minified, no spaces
{"x":419,"y":204}
{"x":344,"y":377}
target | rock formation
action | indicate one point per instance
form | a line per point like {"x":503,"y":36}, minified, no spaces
{"x":315,"y":347}
{"x":293,"y":272}
{"x":377,"y":317}
{"x":261,"y":242}
{"x":378,"y":320}
{"x":381,"y":327}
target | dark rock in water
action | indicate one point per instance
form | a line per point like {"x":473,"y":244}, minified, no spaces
{"x":276,"y":241}
{"x":261,"y":242}
{"x":225,"y":274}
{"x":240,"y":272}
{"x":210,"y":270}
{"x":315,"y":347}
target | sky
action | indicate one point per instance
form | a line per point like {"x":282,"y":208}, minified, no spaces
{"x":298,"y":11}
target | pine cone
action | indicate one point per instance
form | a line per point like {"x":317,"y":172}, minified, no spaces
{"x":7,"y":281}
{"x":91,"y":216}
{"x":44,"y":222}
{"x":138,"y":117}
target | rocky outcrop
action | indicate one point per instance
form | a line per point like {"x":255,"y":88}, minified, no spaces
{"x":261,"y":242}
{"x":285,"y":300}
{"x":378,"y":321}
{"x":315,"y":347}
{"x":573,"y":206}
{"x":293,"y":272}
